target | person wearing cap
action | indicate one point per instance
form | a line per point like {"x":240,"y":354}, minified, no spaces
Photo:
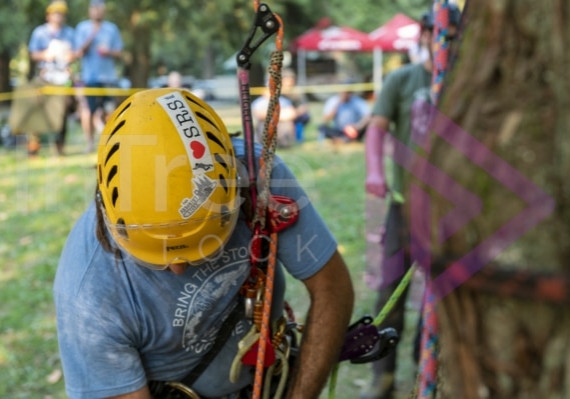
{"x":404,"y":93}
{"x":345,"y":116}
{"x":98,"y":44}
{"x":51,"y":48}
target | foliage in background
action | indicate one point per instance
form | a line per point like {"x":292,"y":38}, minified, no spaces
{"x":195,"y":37}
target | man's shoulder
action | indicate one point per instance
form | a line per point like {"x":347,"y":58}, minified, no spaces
{"x":78,"y":253}
{"x":40,"y":30}
{"x":332,"y":100}
{"x":405,"y":70}
{"x":358,"y":100}
{"x":109,"y":25}
{"x":84,"y":25}
{"x":69,"y":29}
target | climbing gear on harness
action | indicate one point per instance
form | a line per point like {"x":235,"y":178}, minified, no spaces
{"x":173,"y":389}
{"x":364,"y":342}
{"x":271,"y":214}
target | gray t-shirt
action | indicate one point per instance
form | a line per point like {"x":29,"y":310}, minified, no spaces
{"x":403,"y":89}
{"x":121,"y":325}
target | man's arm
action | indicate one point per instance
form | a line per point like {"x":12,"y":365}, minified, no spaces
{"x":332,"y":298}
{"x":330,"y":109}
{"x":374,"y":148}
{"x":142,"y":393}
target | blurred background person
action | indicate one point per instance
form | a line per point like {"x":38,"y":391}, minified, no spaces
{"x":286,"y":135}
{"x":51,"y":48}
{"x":99,"y":44}
{"x":302,"y":115}
{"x":404,"y":94}
{"x":345,"y":116}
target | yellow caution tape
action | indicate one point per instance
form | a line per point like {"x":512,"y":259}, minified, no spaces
{"x":115,"y":91}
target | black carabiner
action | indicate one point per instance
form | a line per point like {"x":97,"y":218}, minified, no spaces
{"x":268,"y":23}
{"x":387,"y":340}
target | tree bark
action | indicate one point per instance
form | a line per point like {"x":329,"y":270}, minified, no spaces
{"x":510,"y":90}
{"x":138,"y":64}
{"x":5,"y":72}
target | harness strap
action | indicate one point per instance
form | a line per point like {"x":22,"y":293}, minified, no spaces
{"x":162,"y":389}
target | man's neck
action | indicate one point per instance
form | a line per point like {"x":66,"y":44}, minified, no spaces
{"x":54,"y":27}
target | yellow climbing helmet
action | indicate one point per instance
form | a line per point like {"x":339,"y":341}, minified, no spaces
{"x":167,"y":178}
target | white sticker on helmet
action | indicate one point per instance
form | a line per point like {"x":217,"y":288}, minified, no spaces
{"x":203,"y":188}
{"x":191,"y":134}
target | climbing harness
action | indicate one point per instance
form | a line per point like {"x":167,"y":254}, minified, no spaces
{"x":270,"y":215}
{"x":272,"y":348}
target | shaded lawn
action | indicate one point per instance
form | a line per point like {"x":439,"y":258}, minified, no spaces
{"x":41,"y":198}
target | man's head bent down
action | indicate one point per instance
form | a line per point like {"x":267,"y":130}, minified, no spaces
{"x":167,"y":179}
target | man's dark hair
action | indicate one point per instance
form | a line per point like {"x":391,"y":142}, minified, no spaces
{"x":427,"y":21}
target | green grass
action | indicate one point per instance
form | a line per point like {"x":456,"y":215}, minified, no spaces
{"x":40,"y":199}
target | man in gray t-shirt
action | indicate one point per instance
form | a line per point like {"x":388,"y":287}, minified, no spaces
{"x":404,"y":93}
{"x":156,"y":265}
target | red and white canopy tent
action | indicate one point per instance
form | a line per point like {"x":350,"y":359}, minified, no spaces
{"x":325,"y":37}
{"x":398,"y":34}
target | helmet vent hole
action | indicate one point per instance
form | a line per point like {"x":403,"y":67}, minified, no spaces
{"x":116,"y":129}
{"x":204,"y":117}
{"x":112,"y":173}
{"x":123,"y":110}
{"x":215,"y":138}
{"x":223,"y":182}
{"x":121,"y":229}
{"x":113,"y":150}
{"x":115,"y":196}
{"x":192,"y":100}
{"x":221,"y":161}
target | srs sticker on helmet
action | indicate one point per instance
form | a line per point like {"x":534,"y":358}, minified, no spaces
{"x":203,"y":188}
{"x":189,"y":130}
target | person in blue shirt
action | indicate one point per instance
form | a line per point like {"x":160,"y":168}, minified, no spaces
{"x":51,"y":48}
{"x":287,"y":115}
{"x":345,"y":116}
{"x":99,"y":44}
{"x":155,"y":267}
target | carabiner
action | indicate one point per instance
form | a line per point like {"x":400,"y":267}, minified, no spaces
{"x":268,"y":23}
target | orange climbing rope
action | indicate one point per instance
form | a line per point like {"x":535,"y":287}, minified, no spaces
{"x":260,"y":217}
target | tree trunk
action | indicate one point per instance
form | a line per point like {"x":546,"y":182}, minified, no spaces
{"x":504,"y":319}
{"x":208,"y":69}
{"x":5,"y":71}
{"x":139,"y":65}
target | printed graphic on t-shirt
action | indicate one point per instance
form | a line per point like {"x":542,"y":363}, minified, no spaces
{"x":198,"y":300}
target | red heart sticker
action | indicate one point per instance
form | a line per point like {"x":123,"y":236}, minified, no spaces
{"x":198,"y":149}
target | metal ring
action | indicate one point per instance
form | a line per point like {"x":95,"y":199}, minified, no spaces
{"x":184,"y":389}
